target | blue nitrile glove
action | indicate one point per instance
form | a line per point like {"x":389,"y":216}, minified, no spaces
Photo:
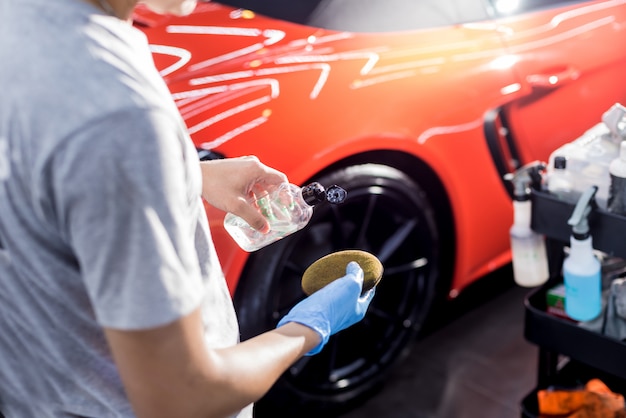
{"x":334,"y":307}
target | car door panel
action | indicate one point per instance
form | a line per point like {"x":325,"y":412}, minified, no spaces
{"x":568,"y":57}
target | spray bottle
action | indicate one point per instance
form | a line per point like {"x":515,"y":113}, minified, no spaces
{"x":528,"y":248}
{"x":581,"y":268}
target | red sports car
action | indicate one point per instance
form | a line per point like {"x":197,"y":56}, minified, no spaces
{"x":417,"y":108}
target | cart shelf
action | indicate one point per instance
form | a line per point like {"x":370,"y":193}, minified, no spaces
{"x":588,"y":353}
{"x":569,"y":339}
{"x":550,"y":214}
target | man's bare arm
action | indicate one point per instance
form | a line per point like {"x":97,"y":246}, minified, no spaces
{"x":168,"y":371}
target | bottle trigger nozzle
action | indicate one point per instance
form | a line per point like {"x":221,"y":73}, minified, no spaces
{"x":579,"y":218}
{"x":524,"y":178}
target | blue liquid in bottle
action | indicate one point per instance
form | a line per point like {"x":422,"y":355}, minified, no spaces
{"x":583,"y":297}
{"x":583,"y":281}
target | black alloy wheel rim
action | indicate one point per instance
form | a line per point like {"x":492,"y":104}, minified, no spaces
{"x":384,"y":220}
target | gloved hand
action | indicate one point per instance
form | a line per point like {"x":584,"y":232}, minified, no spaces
{"x":334,"y":307}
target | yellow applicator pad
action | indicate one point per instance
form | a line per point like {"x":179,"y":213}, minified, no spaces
{"x":333,"y":266}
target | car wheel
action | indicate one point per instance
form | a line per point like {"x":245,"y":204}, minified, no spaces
{"x":385,"y":213}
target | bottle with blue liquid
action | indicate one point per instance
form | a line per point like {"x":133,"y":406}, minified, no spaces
{"x":581,"y":268}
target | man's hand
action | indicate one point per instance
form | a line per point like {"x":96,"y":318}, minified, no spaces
{"x":232,"y":184}
{"x":333,"y":308}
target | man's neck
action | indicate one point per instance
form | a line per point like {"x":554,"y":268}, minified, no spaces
{"x":121,"y":9}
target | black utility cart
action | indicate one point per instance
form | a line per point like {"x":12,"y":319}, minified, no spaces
{"x":570,"y":354}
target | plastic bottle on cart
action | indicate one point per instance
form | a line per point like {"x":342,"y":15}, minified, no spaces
{"x":581,"y":269}
{"x":617,"y":190}
{"x":588,"y":157}
{"x":559,"y":181}
{"x":288,"y":209}
{"x":528,"y":250}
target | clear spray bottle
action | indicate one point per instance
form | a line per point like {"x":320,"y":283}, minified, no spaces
{"x":287,"y":208}
{"x":528,"y":248}
{"x":581,"y":269}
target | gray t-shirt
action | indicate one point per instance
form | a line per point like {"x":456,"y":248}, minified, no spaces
{"x":101,"y":219}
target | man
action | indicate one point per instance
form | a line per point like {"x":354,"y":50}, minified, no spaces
{"x":112,"y":301}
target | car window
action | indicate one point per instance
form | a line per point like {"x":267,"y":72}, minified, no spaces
{"x":502,"y":8}
{"x":297,"y":11}
{"x":391,"y":15}
{"x":369,"y":15}
{"x":395,"y":15}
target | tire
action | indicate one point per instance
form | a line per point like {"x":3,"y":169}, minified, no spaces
{"x":385,"y":213}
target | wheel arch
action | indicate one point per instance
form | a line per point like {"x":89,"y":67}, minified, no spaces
{"x":401,"y":172}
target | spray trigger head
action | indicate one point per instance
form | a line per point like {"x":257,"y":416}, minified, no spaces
{"x":525,"y":177}
{"x":615,"y":120}
{"x":579,"y":218}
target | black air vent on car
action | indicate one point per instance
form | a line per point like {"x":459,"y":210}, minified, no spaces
{"x":206,"y":155}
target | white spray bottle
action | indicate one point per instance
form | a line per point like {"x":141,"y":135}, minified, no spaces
{"x":581,"y":268}
{"x":528,"y":248}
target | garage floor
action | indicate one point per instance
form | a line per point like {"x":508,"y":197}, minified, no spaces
{"x":475,"y":364}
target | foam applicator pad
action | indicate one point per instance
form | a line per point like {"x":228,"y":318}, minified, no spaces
{"x":333,"y":266}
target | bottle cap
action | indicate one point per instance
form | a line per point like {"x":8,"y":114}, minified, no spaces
{"x":560,"y":162}
{"x":335,"y":194}
{"x":313,"y":194}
